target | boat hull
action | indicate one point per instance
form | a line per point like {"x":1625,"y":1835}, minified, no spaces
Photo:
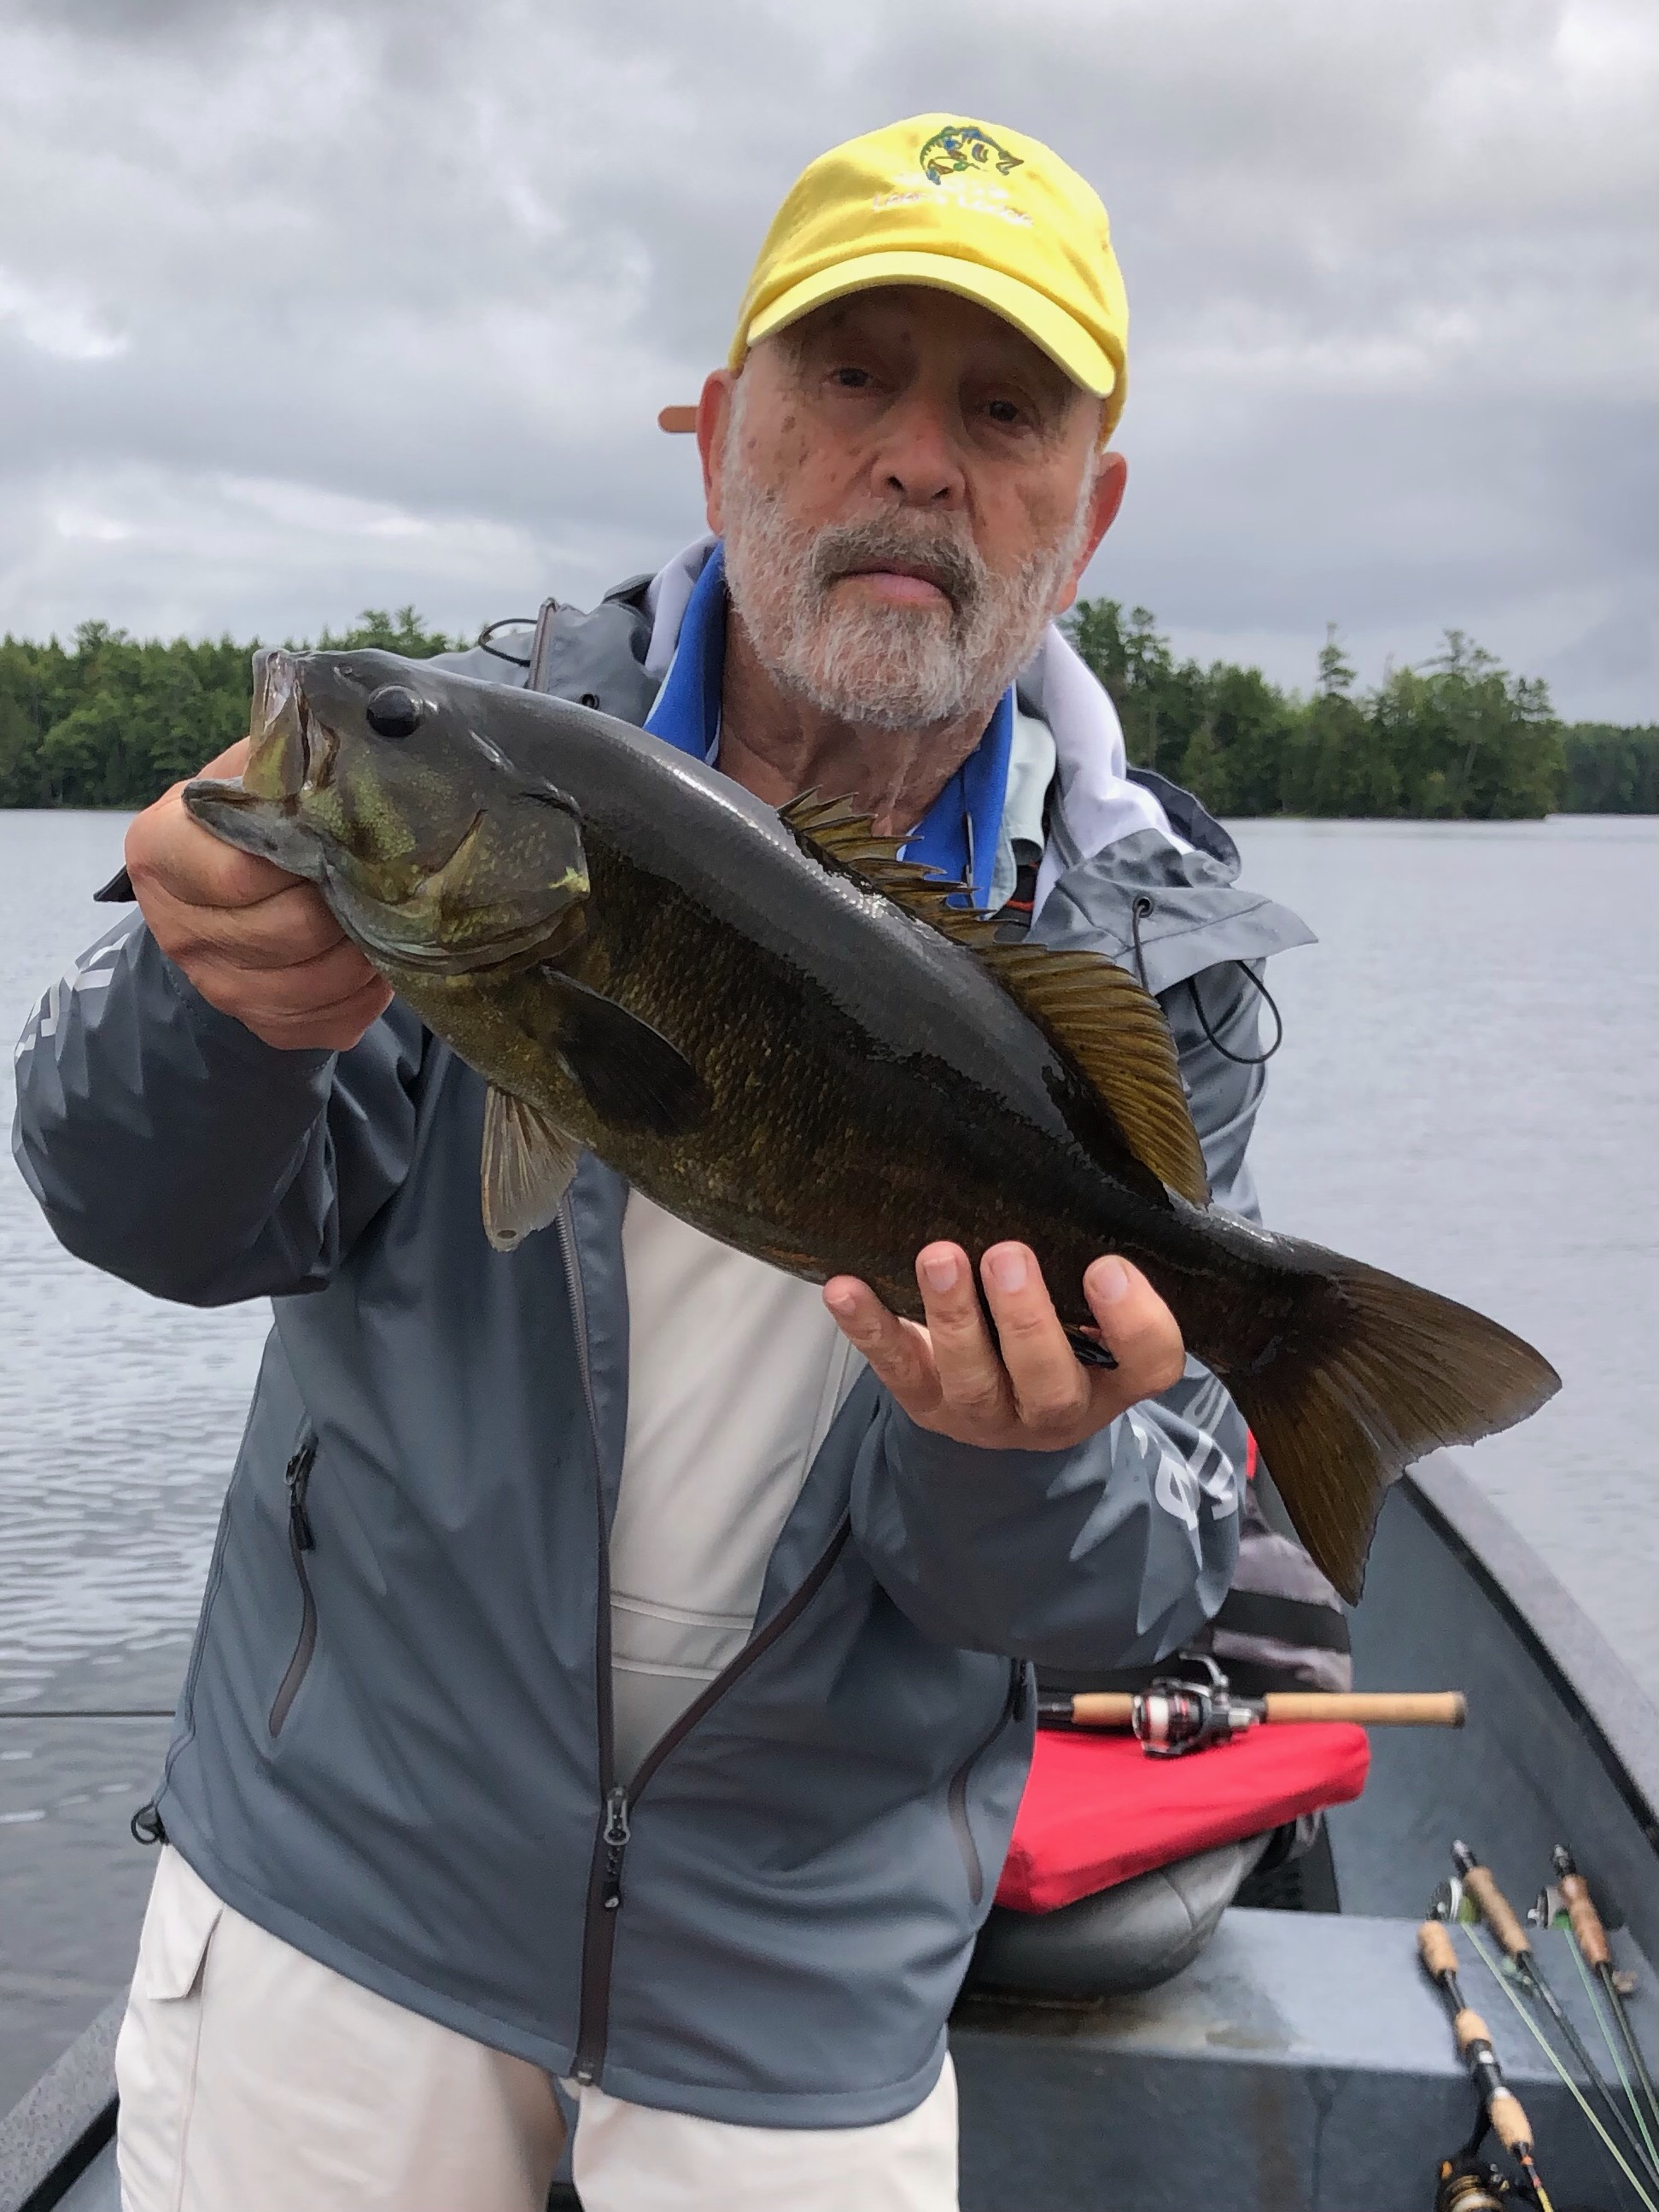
{"x":1301,"y":2062}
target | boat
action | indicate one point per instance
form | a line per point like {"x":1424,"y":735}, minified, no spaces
{"x":1299,"y":2061}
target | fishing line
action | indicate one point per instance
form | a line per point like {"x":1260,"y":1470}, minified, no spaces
{"x":1548,"y":2050}
{"x":1612,"y":2053}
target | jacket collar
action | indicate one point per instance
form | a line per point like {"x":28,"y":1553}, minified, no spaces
{"x":1096,"y":802}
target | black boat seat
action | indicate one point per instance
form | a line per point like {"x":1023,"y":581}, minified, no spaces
{"x":1129,"y":1938}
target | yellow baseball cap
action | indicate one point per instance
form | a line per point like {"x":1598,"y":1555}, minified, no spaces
{"x":981,"y":211}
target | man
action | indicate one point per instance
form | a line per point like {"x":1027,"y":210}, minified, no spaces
{"x":614,"y":1665}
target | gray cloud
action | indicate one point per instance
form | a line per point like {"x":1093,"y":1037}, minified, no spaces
{"x":302,"y":308}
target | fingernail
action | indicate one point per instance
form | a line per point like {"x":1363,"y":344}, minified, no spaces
{"x":841,"y":1303}
{"x":939,"y":1271}
{"x":1006,"y":1268}
{"x":1109,"y":1281}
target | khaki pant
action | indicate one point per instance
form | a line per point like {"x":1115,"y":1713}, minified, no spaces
{"x":254,"y":2080}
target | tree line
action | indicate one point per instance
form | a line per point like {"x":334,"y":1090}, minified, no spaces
{"x":1456,"y":738}
{"x":112,"y":721}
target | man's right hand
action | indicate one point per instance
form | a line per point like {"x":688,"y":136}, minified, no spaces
{"x":257,"y":943}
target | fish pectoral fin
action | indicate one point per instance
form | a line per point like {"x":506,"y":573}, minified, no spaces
{"x":628,"y":1072}
{"x":527,"y":1164}
{"x":1115,"y":1035}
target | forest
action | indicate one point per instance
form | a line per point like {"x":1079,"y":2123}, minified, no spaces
{"x":112,"y":721}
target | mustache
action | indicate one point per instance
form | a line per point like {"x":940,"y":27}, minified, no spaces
{"x":841,"y":549}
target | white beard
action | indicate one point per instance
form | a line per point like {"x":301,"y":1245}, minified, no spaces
{"x":883,"y":667}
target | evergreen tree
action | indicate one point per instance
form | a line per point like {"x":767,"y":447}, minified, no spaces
{"x":112,"y":721}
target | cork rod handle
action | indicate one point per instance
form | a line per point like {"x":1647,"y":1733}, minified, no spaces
{"x":1435,"y":1949}
{"x":1103,"y":1709}
{"x":1371,"y":1708}
{"x":1497,"y":1910}
{"x":1509,"y":2122}
{"x":1586,"y":1920}
{"x":1468,"y":2027}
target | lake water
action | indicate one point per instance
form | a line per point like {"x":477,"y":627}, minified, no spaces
{"x":1467,"y":1095}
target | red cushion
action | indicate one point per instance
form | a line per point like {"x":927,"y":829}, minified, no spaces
{"x":1098,"y":1810}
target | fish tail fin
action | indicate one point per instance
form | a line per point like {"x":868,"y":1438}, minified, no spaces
{"x":1371,"y":1374}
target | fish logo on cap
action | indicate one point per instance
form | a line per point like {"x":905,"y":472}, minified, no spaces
{"x":962,"y":146}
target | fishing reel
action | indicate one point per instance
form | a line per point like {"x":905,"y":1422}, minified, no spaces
{"x":1474,"y":2184}
{"x":1175,"y":1716}
{"x":1470,"y":2183}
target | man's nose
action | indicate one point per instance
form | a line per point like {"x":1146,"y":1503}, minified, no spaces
{"x":919,"y":457}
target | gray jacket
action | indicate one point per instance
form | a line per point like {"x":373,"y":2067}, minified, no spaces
{"x":393,"y":1744}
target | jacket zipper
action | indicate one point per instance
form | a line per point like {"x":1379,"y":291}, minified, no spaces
{"x":605,"y":1875}
{"x":957,"y":1796}
{"x":604,"y":1896}
{"x":300,"y":1539}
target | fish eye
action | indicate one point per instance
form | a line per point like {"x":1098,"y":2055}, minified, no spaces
{"x":392,"y":711}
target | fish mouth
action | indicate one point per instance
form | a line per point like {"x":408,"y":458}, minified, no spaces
{"x":290,"y":753}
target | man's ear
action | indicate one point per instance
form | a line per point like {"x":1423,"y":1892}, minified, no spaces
{"x":714,"y":418}
{"x":1110,"y":479}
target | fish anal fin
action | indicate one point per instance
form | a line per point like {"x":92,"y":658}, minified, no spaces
{"x":525,"y":1168}
{"x":1115,"y":1035}
{"x":839,"y":837}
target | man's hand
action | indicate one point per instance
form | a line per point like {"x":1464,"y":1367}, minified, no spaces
{"x":257,"y":943}
{"x":1028,"y":1391}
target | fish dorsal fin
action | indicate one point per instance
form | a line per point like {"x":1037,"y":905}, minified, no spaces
{"x":834,"y":831}
{"x":1112,"y":1031}
{"x":1116,"y":1035}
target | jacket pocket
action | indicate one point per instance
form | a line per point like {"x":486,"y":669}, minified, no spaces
{"x":300,"y":1539}
{"x":957,"y":1796}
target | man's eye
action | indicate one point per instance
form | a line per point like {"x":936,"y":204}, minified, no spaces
{"x":850,"y":379}
{"x":1007,"y":412}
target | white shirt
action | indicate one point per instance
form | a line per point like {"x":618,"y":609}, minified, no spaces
{"x":735,"y":1371}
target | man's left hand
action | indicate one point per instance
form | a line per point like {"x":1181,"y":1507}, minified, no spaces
{"x":1026,"y":1390}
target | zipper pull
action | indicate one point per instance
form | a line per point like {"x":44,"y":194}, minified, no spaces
{"x":297,"y":1476}
{"x":615,"y":1839}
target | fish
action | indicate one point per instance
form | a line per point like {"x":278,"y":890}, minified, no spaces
{"x":815,"y":1053}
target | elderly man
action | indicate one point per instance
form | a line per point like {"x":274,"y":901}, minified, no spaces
{"x":614,"y":1668}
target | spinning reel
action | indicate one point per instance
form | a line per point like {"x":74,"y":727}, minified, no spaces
{"x":1175,"y":1716}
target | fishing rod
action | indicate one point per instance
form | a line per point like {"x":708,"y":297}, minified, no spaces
{"x":1597,"y":1954}
{"x":1500,"y":1917}
{"x":1175,"y":1716}
{"x":1464,"y":2186}
{"x":1522,"y":2013}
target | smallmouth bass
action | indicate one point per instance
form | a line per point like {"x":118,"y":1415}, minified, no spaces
{"x":789,"y":1038}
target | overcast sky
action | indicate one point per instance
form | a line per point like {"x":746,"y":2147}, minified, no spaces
{"x":308,"y":308}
